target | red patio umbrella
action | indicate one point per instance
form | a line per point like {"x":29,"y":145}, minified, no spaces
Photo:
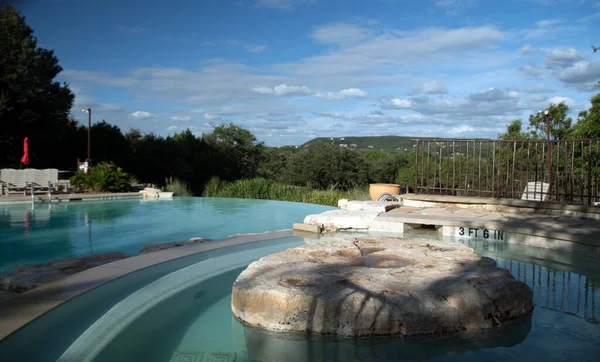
{"x":25,"y":158}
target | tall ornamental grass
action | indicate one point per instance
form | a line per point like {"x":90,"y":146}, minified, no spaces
{"x":260,"y":188}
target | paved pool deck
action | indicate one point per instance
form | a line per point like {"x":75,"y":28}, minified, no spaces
{"x":24,"y":199}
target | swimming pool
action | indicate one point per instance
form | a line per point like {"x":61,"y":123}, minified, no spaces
{"x":48,"y":231}
{"x":180,"y":311}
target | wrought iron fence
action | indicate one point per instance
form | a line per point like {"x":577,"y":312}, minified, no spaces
{"x":561,"y":171}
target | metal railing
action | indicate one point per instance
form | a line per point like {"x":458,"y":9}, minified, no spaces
{"x":555,"y":170}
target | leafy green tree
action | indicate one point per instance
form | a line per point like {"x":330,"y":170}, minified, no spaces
{"x":237,"y":150}
{"x":32,"y":104}
{"x":514,"y":131}
{"x":325,"y":166}
{"x":588,"y":122}
{"x":275,"y":162}
{"x":382,"y":167}
{"x":561,"y":125}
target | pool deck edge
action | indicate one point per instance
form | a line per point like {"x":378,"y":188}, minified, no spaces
{"x":18,"y":311}
{"x":27,"y":199}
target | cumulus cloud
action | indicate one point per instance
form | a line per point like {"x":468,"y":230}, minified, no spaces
{"x":210,"y":116}
{"x":281,"y":4}
{"x":550,"y":29}
{"x":140,"y":115}
{"x":461,"y":129}
{"x":397,"y":103}
{"x":527,"y":49}
{"x":538,"y":88}
{"x":339,"y":33}
{"x":434,"y":87}
{"x":562,"y":57}
{"x":493,"y":95}
{"x":181,"y":118}
{"x":532,"y":71}
{"x":583,"y":75}
{"x":566,"y":100}
{"x":256,"y":48}
{"x":283,"y":90}
{"x":343,"y":94}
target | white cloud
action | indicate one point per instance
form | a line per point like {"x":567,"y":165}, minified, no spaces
{"x":562,"y":57}
{"x":343,"y":94}
{"x":532,"y":71}
{"x":538,"y":88}
{"x":550,"y":29}
{"x":461,"y":129}
{"x":453,"y":7}
{"x":339,"y":33}
{"x":281,"y":4}
{"x":256,"y":48}
{"x":283,"y":90}
{"x":210,"y":116}
{"x":172,"y":128}
{"x":181,"y":118}
{"x":434,"y":87}
{"x":566,"y":100}
{"x":528,"y":49}
{"x":398,"y":104}
{"x":583,"y":75}
{"x":493,"y":95}
{"x":140,"y":115}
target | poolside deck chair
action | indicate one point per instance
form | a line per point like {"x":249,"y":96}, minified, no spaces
{"x":4,"y":179}
{"x":16,"y":181}
{"x":536,"y":191}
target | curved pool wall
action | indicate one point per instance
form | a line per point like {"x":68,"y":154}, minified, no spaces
{"x":55,"y":331}
{"x":43,"y":232}
{"x":181,"y":309}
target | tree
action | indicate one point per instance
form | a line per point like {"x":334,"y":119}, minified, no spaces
{"x":560,"y":124}
{"x":32,"y":104}
{"x":514,"y":131}
{"x":237,"y":149}
{"x":588,"y":122}
{"x":325,"y":166}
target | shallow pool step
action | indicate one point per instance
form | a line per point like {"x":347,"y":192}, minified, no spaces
{"x":195,"y":356}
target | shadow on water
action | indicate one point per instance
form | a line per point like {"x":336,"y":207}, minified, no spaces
{"x":266,"y":346}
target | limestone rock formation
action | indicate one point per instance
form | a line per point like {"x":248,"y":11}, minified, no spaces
{"x":358,"y":286}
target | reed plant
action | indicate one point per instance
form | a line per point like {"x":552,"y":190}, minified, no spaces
{"x":261,"y":188}
{"x":179,"y":187}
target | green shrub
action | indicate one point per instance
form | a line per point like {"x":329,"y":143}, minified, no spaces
{"x":179,"y":187}
{"x":102,"y":178}
{"x":260,"y":188}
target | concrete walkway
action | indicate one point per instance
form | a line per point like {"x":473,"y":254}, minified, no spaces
{"x":20,"y":199}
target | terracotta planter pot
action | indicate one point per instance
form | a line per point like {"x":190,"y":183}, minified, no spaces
{"x":377,"y":189}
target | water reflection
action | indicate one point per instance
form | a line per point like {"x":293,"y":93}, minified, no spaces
{"x":268,"y":346}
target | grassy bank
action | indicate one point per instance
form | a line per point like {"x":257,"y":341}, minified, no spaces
{"x":260,"y":188}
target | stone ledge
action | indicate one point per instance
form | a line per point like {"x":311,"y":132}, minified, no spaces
{"x":545,"y":228}
{"x":537,"y":205}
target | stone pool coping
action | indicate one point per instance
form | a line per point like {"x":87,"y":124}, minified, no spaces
{"x":18,"y":311}
{"x":26,"y":199}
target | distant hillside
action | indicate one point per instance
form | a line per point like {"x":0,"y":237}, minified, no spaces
{"x":386,"y":143}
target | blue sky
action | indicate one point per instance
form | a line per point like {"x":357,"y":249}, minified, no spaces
{"x":291,"y":70}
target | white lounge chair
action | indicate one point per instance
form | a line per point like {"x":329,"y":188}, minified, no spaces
{"x":15,"y":181}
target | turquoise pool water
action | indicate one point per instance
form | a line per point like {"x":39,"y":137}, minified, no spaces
{"x":182,"y":313}
{"x":62,"y":230}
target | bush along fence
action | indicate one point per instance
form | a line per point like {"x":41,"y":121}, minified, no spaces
{"x":543,"y":170}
